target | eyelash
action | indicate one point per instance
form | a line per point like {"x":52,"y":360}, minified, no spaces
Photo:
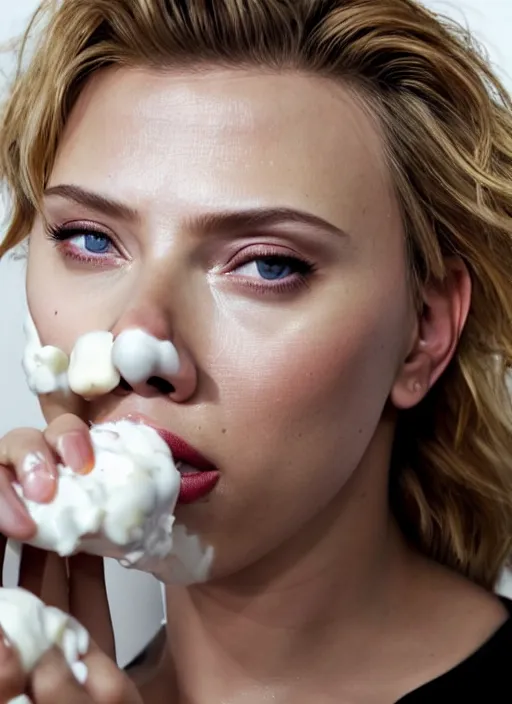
{"x":302,"y":269}
{"x":61,"y":235}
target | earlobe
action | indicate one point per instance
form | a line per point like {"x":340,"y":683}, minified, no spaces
{"x":439,"y":328}
{"x":414,"y":379}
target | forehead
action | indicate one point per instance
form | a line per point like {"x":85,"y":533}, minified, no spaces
{"x":197,"y":139}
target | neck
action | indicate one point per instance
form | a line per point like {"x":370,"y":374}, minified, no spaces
{"x":269,"y":630}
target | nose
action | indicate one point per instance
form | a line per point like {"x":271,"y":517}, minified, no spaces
{"x":152,"y":364}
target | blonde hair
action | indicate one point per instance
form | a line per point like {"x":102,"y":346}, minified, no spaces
{"x":447,"y":122}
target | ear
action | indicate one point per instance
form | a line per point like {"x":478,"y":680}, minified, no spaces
{"x":439,"y":327}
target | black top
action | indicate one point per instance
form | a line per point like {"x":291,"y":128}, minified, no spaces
{"x":483,"y":678}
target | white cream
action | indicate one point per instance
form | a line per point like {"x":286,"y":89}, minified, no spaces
{"x":123,"y":508}
{"x":97,"y":362}
{"x":189,"y":563}
{"x":33,"y":628}
{"x":45,"y":366}
{"x":91,"y":371}
{"x":139,"y":356}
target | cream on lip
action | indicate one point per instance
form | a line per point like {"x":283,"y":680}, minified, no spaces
{"x":124,"y":508}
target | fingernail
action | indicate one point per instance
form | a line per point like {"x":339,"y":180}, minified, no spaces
{"x":39,"y":479}
{"x":76,"y":452}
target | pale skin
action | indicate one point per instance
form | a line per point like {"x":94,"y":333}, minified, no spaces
{"x":290,"y":386}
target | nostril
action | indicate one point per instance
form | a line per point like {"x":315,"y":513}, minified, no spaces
{"x":156,"y":382}
{"x":161,"y":385}
{"x":123,"y":384}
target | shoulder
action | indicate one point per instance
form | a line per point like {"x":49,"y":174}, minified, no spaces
{"x":493,"y":659}
{"x":484,"y":676}
{"x":464,"y":640}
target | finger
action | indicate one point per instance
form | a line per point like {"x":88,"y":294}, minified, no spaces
{"x":106,"y":683}
{"x":88,"y":600}
{"x":12,"y":677}
{"x":26,"y":452}
{"x":14,"y":519}
{"x":59,"y":404}
{"x":53,"y":682}
{"x":70,"y":438}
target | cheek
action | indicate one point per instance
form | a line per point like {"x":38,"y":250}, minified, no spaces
{"x":57,"y":322}
{"x":300,"y":411}
{"x":64,"y":303}
{"x":301,"y":402}
{"x":308,"y":364}
{"x":315,"y":386}
{"x":45,"y":294}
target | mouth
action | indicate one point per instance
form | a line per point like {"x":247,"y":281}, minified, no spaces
{"x":199,"y":476}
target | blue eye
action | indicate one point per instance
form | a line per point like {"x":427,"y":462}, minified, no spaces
{"x":86,"y":241}
{"x":96,"y":244}
{"x":274,"y":268}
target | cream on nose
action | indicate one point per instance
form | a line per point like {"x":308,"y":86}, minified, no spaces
{"x":91,"y":370}
{"x":98,"y":361}
{"x":139,"y":356}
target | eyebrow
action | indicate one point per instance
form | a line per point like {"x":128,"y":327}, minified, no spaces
{"x":94,"y":201}
{"x":264,"y":218}
{"x":207,"y":223}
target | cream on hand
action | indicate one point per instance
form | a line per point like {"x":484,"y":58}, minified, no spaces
{"x":123,"y":508}
{"x":33,"y":628}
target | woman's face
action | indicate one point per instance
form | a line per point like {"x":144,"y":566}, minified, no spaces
{"x":255,"y":226}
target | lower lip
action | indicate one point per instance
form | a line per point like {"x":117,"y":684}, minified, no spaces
{"x":196,"y":486}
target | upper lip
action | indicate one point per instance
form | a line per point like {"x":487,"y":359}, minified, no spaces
{"x":180,"y":449}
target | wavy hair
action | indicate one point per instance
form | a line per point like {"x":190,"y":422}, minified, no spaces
{"x":447,"y":125}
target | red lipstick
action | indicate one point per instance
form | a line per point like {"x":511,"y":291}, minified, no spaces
{"x":199,"y":477}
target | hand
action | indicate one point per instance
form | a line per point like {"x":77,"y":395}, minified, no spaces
{"x":75,"y":585}
{"x":52,"y":682}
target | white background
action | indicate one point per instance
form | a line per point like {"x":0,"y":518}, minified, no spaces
{"x":135,"y":598}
